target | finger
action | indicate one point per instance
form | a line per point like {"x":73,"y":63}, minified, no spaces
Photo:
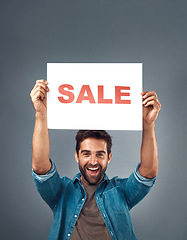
{"x":148,"y":94}
{"x":44,"y":84}
{"x":145,"y":101}
{"x":154,"y":104}
{"x":41,"y":81}
{"x":41,"y":85}
{"x":39,"y":96}
{"x":143,"y":93}
{"x":40,"y":89}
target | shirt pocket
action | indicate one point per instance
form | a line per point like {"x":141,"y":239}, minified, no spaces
{"x":115,"y":200}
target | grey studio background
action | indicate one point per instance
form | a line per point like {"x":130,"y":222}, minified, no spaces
{"x":36,"y":32}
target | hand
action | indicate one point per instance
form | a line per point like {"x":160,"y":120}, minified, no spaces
{"x":39,"y":96}
{"x":151,"y":107}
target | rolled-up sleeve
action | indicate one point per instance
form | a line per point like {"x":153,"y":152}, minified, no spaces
{"x":45,"y":177}
{"x":146,"y":181}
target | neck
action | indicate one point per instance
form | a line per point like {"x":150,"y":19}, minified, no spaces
{"x":86,"y":183}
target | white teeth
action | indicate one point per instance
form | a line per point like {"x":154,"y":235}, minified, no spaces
{"x":93,"y":169}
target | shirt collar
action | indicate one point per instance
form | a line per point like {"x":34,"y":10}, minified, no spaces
{"x":78,"y":178}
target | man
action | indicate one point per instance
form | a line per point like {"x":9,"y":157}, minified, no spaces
{"x":91,"y":206}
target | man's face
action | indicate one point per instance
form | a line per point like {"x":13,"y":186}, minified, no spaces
{"x":93,"y":160}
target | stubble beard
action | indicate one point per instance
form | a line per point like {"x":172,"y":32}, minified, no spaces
{"x":93,"y":180}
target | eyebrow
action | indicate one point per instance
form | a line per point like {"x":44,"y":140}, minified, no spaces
{"x":101,"y":152}
{"x":87,"y":151}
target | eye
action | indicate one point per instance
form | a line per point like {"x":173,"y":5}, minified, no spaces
{"x":86,"y":154}
{"x":100,"y":155}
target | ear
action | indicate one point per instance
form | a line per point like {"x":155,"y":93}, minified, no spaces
{"x":76,"y":157}
{"x":109,"y":157}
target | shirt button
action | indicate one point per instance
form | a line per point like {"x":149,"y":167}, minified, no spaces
{"x":82,"y":199}
{"x":68,"y":234}
{"x":75,"y":216}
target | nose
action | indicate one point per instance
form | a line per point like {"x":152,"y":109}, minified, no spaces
{"x":93,"y":159}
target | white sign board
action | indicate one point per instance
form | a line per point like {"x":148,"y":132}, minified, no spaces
{"x":94,"y":96}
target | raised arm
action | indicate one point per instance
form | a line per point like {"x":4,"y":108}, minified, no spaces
{"x":41,"y":144}
{"x":149,"y":151}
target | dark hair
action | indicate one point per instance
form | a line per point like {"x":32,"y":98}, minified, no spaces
{"x":97,"y":134}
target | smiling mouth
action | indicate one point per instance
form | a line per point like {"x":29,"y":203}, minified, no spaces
{"x":92,"y":170}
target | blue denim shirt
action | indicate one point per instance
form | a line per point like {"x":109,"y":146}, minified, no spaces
{"x":114,"y":197}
